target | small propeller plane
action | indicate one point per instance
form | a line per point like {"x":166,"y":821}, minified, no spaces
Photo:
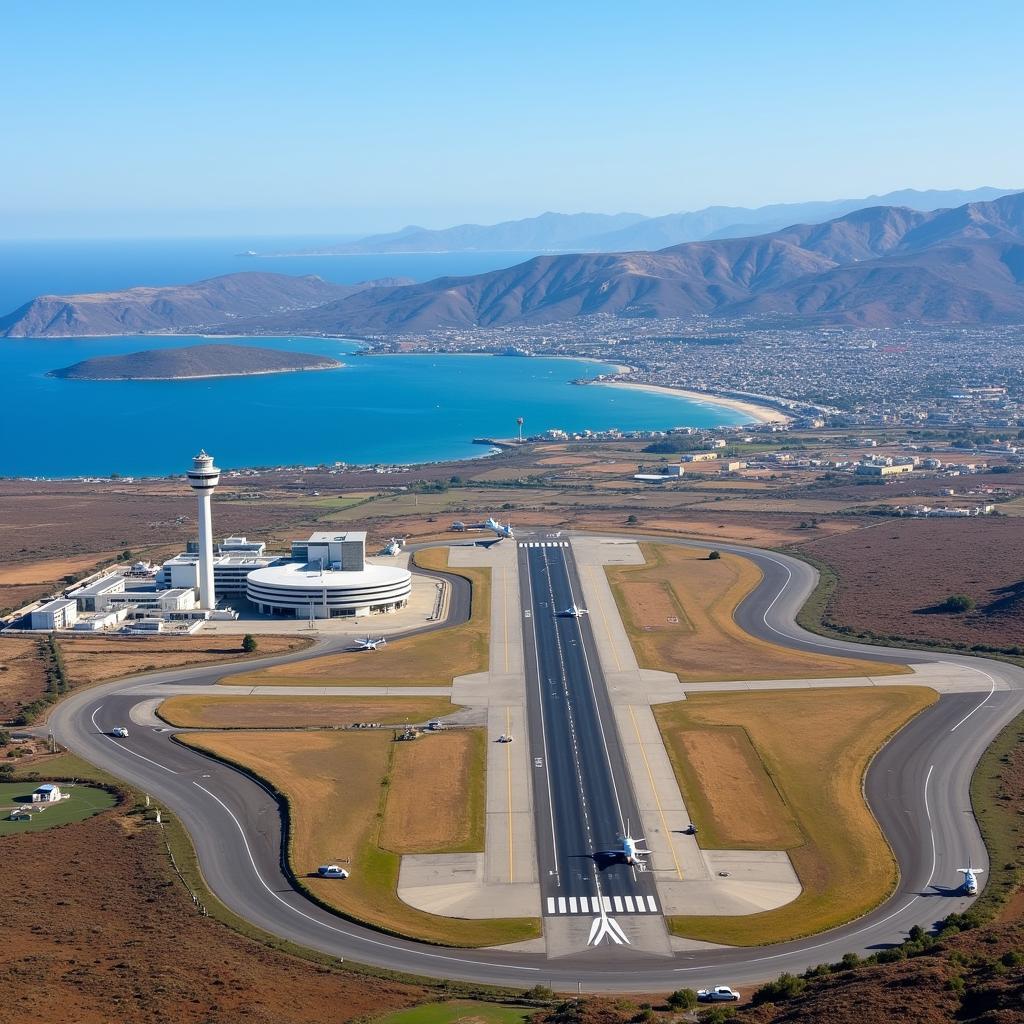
{"x":629,"y":851}
{"x":573,"y":611}
{"x":970,"y":874}
{"x":368,"y":643}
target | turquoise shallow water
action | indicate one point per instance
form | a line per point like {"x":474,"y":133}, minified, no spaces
{"x":414,"y":408}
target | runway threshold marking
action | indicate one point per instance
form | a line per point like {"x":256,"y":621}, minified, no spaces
{"x":654,"y":789}
{"x":607,"y":627}
{"x":508,"y":774}
{"x":333,"y":928}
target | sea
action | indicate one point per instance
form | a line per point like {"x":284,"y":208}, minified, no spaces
{"x":393,"y":409}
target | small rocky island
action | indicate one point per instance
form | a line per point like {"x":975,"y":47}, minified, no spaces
{"x":194,"y":361}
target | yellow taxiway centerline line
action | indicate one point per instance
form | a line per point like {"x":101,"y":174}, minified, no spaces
{"x":654,"y":789}
{"x":508,"y":773}
{"x":608,"y":629}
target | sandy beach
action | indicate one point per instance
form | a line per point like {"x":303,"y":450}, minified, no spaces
{"x":756,"y":411}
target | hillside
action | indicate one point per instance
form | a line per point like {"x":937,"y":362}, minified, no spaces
{"x":194,"y":361}
{"x":172,"y":309}
{"x":621,"y":232}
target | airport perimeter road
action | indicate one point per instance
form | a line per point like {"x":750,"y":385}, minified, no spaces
{"x":584,"y":800}
{"x":918,"y":786}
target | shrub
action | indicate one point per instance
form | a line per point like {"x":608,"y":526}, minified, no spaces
{"x":957,"y":603}
{"x":249,"y":644}
{"x":785,"y":986}
{"x":682,"y":999}
{"x":714,"y":556}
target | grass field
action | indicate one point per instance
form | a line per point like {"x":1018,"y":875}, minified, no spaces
{"x":338,"y":786}
{"x":678,"y":610}
{"x":805,"y":753}
{"x":431,"y":659}
{"x":83,"y":803}
{"x":459,"y":1013}
{"x":22,"y":673}
{"x":260,"y":712}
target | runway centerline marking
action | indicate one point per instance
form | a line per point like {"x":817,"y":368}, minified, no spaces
{"x":331,"y":927}
{"x":127,"y":750}
{"x":654,"y":789}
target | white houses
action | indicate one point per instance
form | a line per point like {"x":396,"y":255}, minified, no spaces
{"x":47,"y":793}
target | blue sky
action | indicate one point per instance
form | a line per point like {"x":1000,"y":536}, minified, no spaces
{"x":228,"y":117}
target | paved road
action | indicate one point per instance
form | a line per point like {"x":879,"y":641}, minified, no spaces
{"x":918,"y":787}
{"x":584,"y":801}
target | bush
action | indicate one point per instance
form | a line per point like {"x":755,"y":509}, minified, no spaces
{"x":249,"y":644}
{"x":717,"y":1015}
{"x":714,"y":556}
{"x":957,"y":603}
{"x":682,"y":999}
{"x":785,"y":986}
{"x":5,"y":737}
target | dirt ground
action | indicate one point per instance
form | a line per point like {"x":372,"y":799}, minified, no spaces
{"x":815,"y":745}
{"x":22,"y":674}
{"x":892,"y":576}
{"x":93,"y":659}
{"x":450,"y":767}
{"x":49,"y":570}
{"x":259,"y":712}
{"x":706,"y":643}
{"x":733,"y":793}
{"x":351,"y":773}
{"x":116,"y":938}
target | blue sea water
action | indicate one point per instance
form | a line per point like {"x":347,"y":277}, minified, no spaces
{"x":376,"y":409}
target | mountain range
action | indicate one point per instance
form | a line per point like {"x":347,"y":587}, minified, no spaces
{"x":878,"y":267}
{"x":622,"y":232}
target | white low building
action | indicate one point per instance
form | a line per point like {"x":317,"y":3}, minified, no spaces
{"x":177,"y":599}
{"x":297,"y":589}
{"x":94,"y":597}
{"x":59,"y":614}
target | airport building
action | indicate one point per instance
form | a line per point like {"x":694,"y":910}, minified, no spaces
{"x":58,"y":614}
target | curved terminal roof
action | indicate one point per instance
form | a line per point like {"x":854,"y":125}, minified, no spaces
{"x":296,"y":576}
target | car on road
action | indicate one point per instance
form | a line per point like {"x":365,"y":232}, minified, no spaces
{"x":718,"y":994}
{"x":119,"y":731}
{"x":331,"y":871}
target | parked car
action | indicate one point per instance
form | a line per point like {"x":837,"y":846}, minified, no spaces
{"x":119,"y":731}
{"x":331,"y":871}
{"x":718,"y":994}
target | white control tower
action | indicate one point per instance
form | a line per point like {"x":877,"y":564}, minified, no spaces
{"x":203,"y":477}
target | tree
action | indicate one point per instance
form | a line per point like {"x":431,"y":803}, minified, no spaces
{"x":682,"y":999}
{"x":249,"y":643}
{"x":630,"y":520}
{"x":714,"y":556}
{"x":957,"y":603}
{"x":5,"y":737}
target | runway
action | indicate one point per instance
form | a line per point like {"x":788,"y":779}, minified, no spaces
{"x":918,"y":787}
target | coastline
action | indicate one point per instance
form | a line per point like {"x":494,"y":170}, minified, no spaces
{"x":755,"y":410}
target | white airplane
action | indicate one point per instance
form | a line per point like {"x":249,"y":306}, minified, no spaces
{"x":369,"y":644}
{"x":498,"y":529}
{"x":394,"y":546}
{"x":629,"y":851}
{"x":970,"y":874}
{"x":574,"y":611}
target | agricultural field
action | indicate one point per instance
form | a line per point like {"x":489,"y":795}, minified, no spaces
{"x":263,"y":712}
{"x":678,"y":611}
{"x":893,"y":576}
{"x":782,"y":769}
{"x":83,"y":802}
{"x":90,"y":659}
{"x":431,"y":659}
{"x":359,"y":774}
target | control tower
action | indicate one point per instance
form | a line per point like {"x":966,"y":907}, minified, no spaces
{"x":203,"y":477}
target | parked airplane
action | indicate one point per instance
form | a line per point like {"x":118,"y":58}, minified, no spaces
{"x":500,"y":530}
{"x":574,"y":611}
{"x":970,"y":878}
{"x":629,"y":851}
{"x":369,"y":644}
{"x":394,"y":546}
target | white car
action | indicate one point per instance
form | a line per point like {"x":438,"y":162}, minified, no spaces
{"x":119,"y":731}
{"x":718,"y":994}
{"x":331,"y":871}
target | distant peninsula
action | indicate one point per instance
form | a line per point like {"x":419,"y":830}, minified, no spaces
{"x":194,"y":361}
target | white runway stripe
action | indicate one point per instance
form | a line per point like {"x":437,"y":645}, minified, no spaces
{"x":591,"y":905}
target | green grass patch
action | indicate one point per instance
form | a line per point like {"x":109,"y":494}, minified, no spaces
{"x":83,"y":802}
{"x":460,"y":1013}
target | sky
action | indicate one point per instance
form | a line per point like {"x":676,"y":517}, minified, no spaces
{"x":255,"y":116}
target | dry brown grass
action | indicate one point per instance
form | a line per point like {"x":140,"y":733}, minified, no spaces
{"x":707,"y":644}
{"x":349,"y":774}
{"x":654,"y":603}
{"x":431,"y":659}
{"x":94,"y":659}
{"x":49,"y":570}
{"x":22,"y":673}
{"x":262,"y":712}
{"x":814,"y":746}
{"x":451,"y":768}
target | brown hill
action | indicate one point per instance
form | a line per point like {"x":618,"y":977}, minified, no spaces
{"x":194,"y":361}
{"x":172,"y":309}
